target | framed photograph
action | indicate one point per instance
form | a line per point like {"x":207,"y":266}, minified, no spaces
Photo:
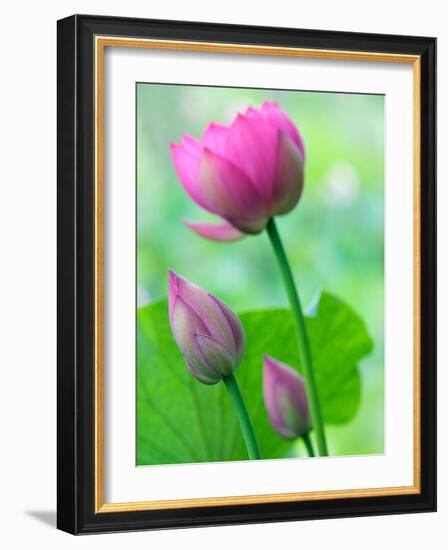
{"x":246,"y":274}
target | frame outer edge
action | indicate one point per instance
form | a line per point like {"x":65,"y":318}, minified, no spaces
{"x":429,"y":273}
{"x":67,"y":456}
{"x":433,"y":71}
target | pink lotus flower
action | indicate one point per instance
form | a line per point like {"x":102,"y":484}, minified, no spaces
{"x":207,"y":332}
{"x":285,"y":399}
{"x":245,"y":173}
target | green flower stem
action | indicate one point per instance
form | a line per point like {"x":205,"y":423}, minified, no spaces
{"x":304,"y":347}
{"x":243,"y":416}
{"x":309,"y":446}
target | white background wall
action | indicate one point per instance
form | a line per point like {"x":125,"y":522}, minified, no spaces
{"x":28,"y":272}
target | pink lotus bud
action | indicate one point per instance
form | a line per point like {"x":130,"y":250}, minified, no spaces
{"x":285,"y":399}
{"x":208,"y":333}
{"x":245,"y":173}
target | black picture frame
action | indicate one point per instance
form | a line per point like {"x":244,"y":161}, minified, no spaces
{"x":76,"y":253}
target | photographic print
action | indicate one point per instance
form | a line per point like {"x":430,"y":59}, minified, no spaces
{"x":260,"y":274}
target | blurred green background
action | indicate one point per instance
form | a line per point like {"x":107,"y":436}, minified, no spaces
{"x":334,"y":238}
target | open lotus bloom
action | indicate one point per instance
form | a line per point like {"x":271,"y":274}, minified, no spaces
{"x":245,"y":173}
{"x":207,"y":332}
{"x":285,"y":399}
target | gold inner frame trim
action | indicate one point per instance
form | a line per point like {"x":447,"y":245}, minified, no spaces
{"x":101,"y":42}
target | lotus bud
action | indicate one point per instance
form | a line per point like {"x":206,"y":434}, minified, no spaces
{"x":209,"y":335}
{"x":285,"y":399}
{"x":245,"y":173}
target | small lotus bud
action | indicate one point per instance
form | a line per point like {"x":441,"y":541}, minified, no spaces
{"x":285,"y":399}
{"x":207,"y":332}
